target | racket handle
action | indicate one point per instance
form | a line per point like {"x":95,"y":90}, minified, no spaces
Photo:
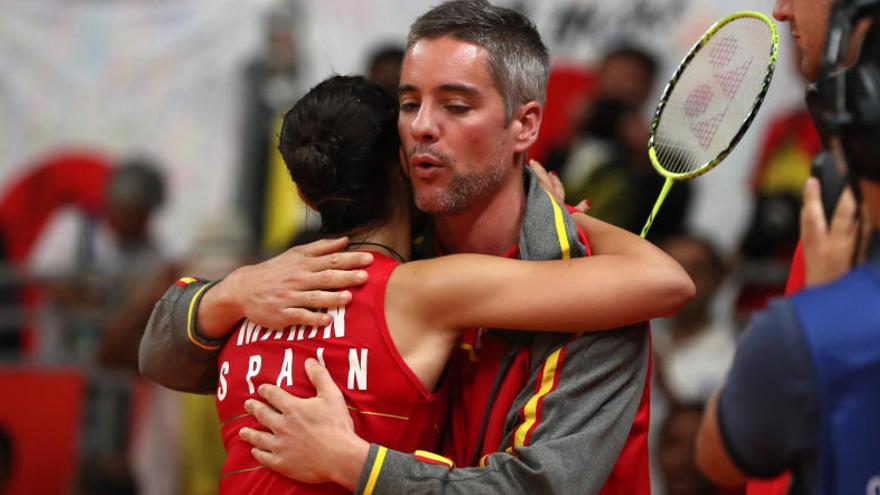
{"x":662,"y":197}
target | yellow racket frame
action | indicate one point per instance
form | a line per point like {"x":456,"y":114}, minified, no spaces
{"x":672,"y":177}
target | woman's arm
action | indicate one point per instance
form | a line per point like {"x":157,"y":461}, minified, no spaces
{"x":626,"y":281}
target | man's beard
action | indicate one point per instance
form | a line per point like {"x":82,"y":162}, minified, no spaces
{"x":463,"y":191}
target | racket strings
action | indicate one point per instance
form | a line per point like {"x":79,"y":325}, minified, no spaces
{"x":714,"y":96}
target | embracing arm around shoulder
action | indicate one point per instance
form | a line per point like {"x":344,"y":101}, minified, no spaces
{"x":283,"y":290}
{"x":188,"y":324}
{"x":628,"y":280}
{"x":661,"y":277}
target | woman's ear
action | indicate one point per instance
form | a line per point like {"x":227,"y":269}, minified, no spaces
{"x":525,"y":125}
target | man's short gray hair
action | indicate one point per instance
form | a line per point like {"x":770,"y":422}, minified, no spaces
{"x":518,"y":60}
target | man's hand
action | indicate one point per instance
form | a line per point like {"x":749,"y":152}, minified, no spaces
{"x":282,"y":291}
{"x":309,"y":440}
{"x":550,"y":182}
{"x":829,"y":251}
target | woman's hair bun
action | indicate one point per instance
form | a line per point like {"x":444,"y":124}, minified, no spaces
{"x":340,"y":144}
{"x":315,"y":156}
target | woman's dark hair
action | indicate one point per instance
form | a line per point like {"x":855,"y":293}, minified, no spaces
{"x":340,"y":145}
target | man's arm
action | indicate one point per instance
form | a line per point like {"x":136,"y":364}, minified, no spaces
{"x":712,"y":456}
{"x":765,"y":415}
{"x":589,"y":392}
{"x":188,"y":324}
{"x":170,"y":353}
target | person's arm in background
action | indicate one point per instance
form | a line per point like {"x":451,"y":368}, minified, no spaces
{"x":122,"y":333}
{"x":188,"y":324}
{"x":748,"y":427}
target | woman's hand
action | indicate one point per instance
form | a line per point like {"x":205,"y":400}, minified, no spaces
{"x":550,"y":181}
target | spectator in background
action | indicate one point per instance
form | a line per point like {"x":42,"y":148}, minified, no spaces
{"x":694,"y":350}
{"x":384,"y":67}
{"x":627,"y":74}
{"x":599,"y":168}
{"x":272,"y":84}
{"x":91,"y":267}
{"x":606,"y":161}
{"x":676,"y":454}
{"x":89,"y":264}
{"x":609,"y":166}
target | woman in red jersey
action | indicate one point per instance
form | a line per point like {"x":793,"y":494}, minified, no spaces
{"x":388,"y":347}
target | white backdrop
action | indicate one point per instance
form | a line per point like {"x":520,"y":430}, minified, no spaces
{"x":163,"y":76}
{"x":157,"y":77}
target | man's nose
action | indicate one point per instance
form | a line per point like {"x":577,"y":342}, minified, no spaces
{"x":424,"y":126}
{"x":782,"y":10}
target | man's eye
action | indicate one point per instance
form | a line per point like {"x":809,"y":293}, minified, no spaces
{"x":457,"y":108}
{"x":409,"y":106}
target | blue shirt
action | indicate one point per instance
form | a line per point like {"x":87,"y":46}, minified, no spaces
{"x":804,"y":389}
{"x":768,"y":411}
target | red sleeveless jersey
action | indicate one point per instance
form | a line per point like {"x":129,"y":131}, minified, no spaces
{"x":388,"y":403}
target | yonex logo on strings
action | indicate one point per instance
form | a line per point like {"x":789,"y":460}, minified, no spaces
{"x":721,"y":55}
{"x":711,"y":99}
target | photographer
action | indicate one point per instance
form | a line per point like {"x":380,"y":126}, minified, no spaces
{"x":803,"y":391}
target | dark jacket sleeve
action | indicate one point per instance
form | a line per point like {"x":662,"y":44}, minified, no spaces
{"x":171,"y":352}
{"x":767,"y":410}
{"x":584,"y":422}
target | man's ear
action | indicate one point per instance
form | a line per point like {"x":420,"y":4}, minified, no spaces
{"x":525,"y":125}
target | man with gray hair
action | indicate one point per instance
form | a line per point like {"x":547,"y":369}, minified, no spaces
{"x":534,"y":413}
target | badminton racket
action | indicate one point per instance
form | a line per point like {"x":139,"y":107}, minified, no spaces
{"x":711,"y":99}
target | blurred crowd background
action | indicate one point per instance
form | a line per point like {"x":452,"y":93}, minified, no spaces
{"x":137,"y":145}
